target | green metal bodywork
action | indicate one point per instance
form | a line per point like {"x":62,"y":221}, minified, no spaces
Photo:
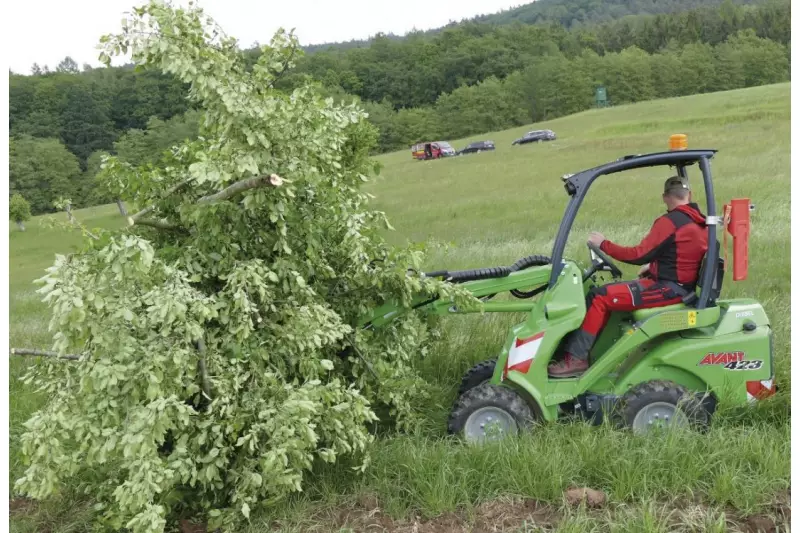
{"x":668,"y":343}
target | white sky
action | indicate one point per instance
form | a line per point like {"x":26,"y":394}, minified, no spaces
{"x":46,"y":31}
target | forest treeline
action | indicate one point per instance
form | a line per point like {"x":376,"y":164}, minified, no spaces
{"x":468,"y":79}
{"x":568,"y":13}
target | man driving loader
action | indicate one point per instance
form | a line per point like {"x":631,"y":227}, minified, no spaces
{"x":671,"y":254}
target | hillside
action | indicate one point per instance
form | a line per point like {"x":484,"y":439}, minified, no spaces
{"x":580,"y":12}
{"x":568,"y":13}
{"x":493,"y":208}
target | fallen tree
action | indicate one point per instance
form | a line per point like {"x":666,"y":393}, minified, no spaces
{"x":212,"y":331}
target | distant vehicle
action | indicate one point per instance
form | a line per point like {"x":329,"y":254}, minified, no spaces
{"x":432,"y":150}
{"x":536,"y":136}
{"x":476,"y":147}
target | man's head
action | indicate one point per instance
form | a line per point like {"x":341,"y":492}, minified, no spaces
{"x":676,"y":192}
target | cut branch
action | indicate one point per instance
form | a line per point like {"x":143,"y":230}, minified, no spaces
{"x":172,"y":190}
{"x":43,"y":353}
{"x":159,"y":224}
{"x":273,"y":180}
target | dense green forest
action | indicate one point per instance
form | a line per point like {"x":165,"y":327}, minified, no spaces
{"x":569,"y":13}
{"x":572,"y":13}
{"x":471,"y":78}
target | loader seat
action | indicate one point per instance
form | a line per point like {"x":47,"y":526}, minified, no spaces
{"x":690,"y":300}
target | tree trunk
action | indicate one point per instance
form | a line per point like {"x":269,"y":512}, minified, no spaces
{"x":122,"y":210}
{"x":20,"y":225}
{"x":69,"y":214}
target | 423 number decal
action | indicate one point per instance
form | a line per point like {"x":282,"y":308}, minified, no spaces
{"x":744,"y":365}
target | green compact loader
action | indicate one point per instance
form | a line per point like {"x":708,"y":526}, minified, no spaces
{"x":665,"y":366}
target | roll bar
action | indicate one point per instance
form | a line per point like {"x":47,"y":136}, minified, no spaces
{"x":577,"y":185}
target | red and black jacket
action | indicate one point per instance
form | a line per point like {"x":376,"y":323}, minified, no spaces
{"x":675,"y":246}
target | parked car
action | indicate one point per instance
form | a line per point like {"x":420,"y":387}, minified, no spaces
{"x":476,"y":147}
{"x":536,"y":136}
{"x":432,"y":150}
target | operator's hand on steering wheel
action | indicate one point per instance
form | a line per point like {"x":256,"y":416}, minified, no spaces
{"x":600,"y":260}
{"x":596,"y":238}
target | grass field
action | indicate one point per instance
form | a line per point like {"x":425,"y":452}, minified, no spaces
{"x":493,"y":208}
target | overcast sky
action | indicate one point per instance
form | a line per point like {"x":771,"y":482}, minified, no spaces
{"x":44,"y":32}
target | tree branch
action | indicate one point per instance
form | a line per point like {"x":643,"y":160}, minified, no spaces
{"x":158,"y":224}
{"x":172,"y":190}
{"x":283,"y":69}
{"x":43,"y":353}
{"x":273,"y":180}
{"x":90,"y":234}
{"x":201,"y":367}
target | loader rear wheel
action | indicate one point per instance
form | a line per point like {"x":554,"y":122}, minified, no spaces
{"x":489,"y":412}
{"x":662,"y":404}
{"x":478,"y":374}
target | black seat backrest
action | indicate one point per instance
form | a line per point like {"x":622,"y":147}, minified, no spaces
{"x":716,"y":285}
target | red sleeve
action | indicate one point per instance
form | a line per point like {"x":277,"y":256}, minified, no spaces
{"x":645,"y":251}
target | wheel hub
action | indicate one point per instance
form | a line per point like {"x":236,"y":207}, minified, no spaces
{"x":489,"y":423}
{"x":659,"y":415}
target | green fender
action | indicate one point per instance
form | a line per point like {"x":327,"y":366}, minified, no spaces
{"x":649,"y":369}
{"x":534,"y":398}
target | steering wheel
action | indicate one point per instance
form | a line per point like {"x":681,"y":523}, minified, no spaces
{"x":601,"y":263}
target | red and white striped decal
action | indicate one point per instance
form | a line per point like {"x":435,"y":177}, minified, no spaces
{"x":756,"y":390}
{"x":523,"y":352}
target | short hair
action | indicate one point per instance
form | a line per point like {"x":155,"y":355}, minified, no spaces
{"x":680,"y":194}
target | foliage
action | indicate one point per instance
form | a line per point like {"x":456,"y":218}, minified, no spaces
{"x":222,"y":356}
{"x":416,"y":70}
{"x":19,"y":210}
{"x":579,"y":12}
{"x":140,"y":147}
{"x":90,"y":110}
{"x":41,"y":170}
{"x":486,"y":106}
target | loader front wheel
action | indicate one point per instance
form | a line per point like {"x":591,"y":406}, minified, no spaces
{"x":477,"y":375}
{"x":489,"y":412}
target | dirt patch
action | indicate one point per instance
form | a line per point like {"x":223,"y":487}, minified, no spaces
{"x":592,"y":497}
{"x":498,"y":515}
{"x":503,"y":514}
{"x":759,"y":524}
{"x":19,"y":506}
{"x":513,"y":514}
{"x":188,"y":526}
{"x":783,"y":507}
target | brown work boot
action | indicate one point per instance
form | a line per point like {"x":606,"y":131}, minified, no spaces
{"x":569,"y":367}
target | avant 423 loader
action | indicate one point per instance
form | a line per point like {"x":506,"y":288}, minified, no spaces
{"x":649,"y":368}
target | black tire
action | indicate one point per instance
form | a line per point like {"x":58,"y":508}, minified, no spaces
{"x":477,"y":375}
{"x":500,"y":398}
{"x":664,"y":392}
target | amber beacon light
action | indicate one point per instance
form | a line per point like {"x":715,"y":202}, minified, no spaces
{"x":678,"y":142}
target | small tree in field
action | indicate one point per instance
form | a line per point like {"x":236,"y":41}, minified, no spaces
{"x":19,"y":210}
{"x":219,"y":350}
